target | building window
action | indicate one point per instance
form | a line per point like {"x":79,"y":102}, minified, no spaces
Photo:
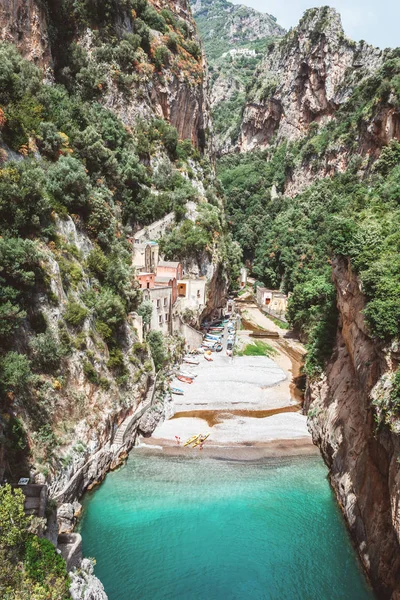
{"x":160,"y":319}
{"x":167,"y":318}
{"x":148,"y":285}
{"x":165,"y":301}
{"x":198,"y":293}
{"x":158,"y":303}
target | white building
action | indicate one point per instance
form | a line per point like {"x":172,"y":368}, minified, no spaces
{"x":161,"y":298}
{"x":192,"y":293}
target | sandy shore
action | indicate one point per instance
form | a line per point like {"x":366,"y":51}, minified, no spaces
{"x":245,"y":403}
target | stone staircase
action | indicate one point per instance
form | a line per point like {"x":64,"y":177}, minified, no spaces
{"x":127,"y":424}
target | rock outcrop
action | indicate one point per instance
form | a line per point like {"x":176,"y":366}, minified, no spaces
{"x":304,"y":79}
{"x":362,"y":457}
{"x":228,"y":32}
{"x":23,"y":22}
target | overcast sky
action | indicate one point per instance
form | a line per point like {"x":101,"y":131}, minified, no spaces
{"x":375,"y":21}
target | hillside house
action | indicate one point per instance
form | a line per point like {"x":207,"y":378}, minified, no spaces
{"x":192,"y":293}
{"x":170,"y":269}
{"x":273,"y":301}
{"x":161,"y":298}
{"x":146,"y":280}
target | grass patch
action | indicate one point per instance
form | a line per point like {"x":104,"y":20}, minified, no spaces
{"x":278,"y":322}
{"x":257,"y":348}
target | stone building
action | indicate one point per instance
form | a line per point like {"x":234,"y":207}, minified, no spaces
{"x":161,"y":298}
{"x":169,"y":269}
{"x":272,"y":301}
{"x":145,"y":256}
{"x":146,"y":280}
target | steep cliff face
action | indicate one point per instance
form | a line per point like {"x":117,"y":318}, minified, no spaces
{"x":24,"y":24}
{"x":362,"y":457}
{"x":169,"y":81}
{"x":304,"y":79}
{"x":121,"y":141}
{"x":235,"y":38}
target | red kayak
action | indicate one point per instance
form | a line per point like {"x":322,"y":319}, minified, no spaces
{"x":185,"y":379}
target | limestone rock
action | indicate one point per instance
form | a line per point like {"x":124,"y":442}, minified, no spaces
{"x":362,"y":459}
{"x":304,"y":78}
{"x":84,"y":583}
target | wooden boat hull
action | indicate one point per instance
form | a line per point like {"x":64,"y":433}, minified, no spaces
{"x":185,"y":379}
{"x":177,"y":391}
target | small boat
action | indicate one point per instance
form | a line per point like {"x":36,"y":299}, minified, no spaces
{"x":191,"y":440}
{"x":218,"y":348}
{"x":208,"y":357}
{"x":185,"y":379}
{"x":188,"y":374}
{"x":177,"y":391}
{"x":209,"y":336}
{"x":201,"y":439}
{"x":191,"y":361}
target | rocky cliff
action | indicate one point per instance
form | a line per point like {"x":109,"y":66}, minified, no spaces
{"x":234,"y":38}
{"x":362,"y":454}
{"x":303,"y":79}
{"x":103,"y":130}
{"x":25,"y":25}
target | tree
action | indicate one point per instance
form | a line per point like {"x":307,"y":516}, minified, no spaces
{"x":68,"y":183}
{"x":145,"y":310}
{"x":156,"y":343}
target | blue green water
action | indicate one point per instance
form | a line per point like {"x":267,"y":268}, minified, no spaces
{"x":163,"y":528}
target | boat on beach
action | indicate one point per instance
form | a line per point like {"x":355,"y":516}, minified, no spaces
{"x":208,"y":357}
{"x":188,"y":374}
{"x":191,"y":361}
{"x":185,"y":379}
{"x":177,"y":391}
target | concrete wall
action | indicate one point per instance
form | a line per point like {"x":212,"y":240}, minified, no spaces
{"x":193,"y":338}
{"x":161,"y":298}
{"x":70,"y":546}
{"x":156,"y":229}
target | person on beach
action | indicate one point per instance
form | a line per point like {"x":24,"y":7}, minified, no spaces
{"x":178,"y":439}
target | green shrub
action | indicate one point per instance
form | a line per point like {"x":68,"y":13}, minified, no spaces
{"x":24,"y":206}
{"x":45,"y":352}
{"x":75,"y":313}
{"x":161,"y":57}
{"x":116,"y":361}
{"x":15,"y":373}
{"x":90,"y":372}
{"x":68,"y":183}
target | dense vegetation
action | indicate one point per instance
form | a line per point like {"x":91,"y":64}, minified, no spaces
{"x":75,"y":181}
{"x":231,"y":71}
{"x":291,"y":242}
{"x":30,"y":568}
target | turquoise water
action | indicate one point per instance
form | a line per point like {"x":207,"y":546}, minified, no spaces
{"x":197,"y":528}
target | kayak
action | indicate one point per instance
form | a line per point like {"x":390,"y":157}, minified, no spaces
{"x":177,"y":391}
{"x":185,"y":379}
{"x":202,"y":438}
{"x":191,"y":440}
